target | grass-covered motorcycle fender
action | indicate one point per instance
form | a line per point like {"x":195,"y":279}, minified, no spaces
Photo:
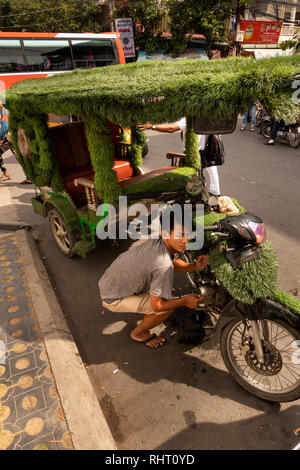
{"x":262,"y":309}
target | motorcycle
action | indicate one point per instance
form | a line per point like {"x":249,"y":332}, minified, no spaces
{"x":259,"y":342}
{"x":289,"y":133}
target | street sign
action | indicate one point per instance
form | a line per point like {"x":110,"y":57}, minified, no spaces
{"x":125,"y":28}
{"x":240,"y":36}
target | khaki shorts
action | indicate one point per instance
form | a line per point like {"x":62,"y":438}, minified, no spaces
{"x":134,"y":303}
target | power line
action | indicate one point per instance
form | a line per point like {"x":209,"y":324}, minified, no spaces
{"x":269,"y":15}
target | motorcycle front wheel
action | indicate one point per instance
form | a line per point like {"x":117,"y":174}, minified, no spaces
{"x":294,"y":142}
{"x":277,"y":377}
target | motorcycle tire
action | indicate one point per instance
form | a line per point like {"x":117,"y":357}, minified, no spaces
{"x":267,"y":381}
{"x":266,"y":129}
{"x":295,"y":142}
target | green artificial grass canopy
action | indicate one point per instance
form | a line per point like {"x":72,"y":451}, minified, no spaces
{"x":161,"y":91}
{"x":156,"y":91}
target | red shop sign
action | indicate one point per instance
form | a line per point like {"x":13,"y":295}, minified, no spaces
{"x":262,"y":32}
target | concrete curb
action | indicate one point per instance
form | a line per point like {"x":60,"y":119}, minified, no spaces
{"x":83,"y":413}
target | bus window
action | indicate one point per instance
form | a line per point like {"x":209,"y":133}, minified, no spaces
{"x":11,"y":57}
{"x":47,"y":55}
{"x":93,"y":53}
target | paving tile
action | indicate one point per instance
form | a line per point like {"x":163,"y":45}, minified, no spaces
{"x":31,"y":415}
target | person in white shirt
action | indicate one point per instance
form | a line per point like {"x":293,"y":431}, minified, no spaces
{"x":214,"y":186}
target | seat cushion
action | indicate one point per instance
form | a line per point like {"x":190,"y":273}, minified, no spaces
{"x":122,"y":168}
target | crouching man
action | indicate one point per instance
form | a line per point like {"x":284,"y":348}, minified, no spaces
{"x":141,"y":280}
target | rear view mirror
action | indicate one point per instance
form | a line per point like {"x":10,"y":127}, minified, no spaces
{"x":203,"y":125}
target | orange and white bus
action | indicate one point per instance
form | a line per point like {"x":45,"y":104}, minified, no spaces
{"x":35,"y":55}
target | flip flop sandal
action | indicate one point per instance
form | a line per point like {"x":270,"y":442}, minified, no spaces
{"x":153,"y":336}
{"x":2,"y":179}
{"x":26,"y":182}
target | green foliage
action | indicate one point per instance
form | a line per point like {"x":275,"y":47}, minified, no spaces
{"x":255,"y":279}
{"x":292,"y":43}
{"x":146,"y":16}
{"x":50,"y":15}
{"x":191,"y":16}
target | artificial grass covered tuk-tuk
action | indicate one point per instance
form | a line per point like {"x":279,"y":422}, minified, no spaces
{"x":76,"y":166}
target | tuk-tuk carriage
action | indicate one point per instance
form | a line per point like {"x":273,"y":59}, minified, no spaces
{"x":78,"y":165}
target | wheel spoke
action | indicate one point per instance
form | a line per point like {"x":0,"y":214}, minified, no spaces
{"x":277,"y":374}
{"x":60,"y":233}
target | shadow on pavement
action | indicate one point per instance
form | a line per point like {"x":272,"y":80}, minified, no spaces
{"x":245,"y":434}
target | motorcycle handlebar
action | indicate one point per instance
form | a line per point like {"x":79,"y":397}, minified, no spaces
{"x":209,"y":228}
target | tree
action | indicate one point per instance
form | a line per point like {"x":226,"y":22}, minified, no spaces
{"x":292,"y":43}
{"x":50,"y":15}
{"x":207,"y":17}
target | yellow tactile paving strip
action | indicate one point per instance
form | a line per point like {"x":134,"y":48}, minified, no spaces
{"x":31,"y":416}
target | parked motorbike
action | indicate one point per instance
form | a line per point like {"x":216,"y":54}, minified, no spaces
{"x":289,"y":133}
{"x":259,"y":342}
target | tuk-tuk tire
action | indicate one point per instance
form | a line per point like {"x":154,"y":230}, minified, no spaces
{"x":67,"y":239}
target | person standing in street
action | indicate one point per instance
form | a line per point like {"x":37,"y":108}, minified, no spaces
{"x":141,"y":280}
{"x":251,"y":114}
{"x":3,"y":134}
{"x":214,"y":187}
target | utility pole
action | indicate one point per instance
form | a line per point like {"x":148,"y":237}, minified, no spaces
{"x":111,"y":7}
{"x":237,"y":23}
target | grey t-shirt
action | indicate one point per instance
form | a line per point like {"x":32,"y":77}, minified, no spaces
{"x":147,"y":267}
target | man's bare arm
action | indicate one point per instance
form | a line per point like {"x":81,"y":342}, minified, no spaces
{"x":181,"y":266}
{"x":161,"y":305}
{"x":168,"y":128}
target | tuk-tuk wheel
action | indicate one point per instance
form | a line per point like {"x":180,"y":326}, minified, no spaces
{"x":65,"y":239}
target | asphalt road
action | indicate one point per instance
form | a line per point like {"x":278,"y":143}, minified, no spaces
{"x":180,"y":396}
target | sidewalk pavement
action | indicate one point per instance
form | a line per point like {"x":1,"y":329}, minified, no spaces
{"x":46,"y":399}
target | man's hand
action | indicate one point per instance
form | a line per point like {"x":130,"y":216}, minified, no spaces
{"x":145,"y":126}
{"x":201,"y":262}
{"x":192,"y":300}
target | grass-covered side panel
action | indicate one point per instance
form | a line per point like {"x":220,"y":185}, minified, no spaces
{"x":255,"y":279}
{"x":193,"y":159}
{"x":28,"y":164}
{"x":102,"y":154}
{"x":287,"y":300}
{"x":41,"y":167}
{"x":138,"y":141}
